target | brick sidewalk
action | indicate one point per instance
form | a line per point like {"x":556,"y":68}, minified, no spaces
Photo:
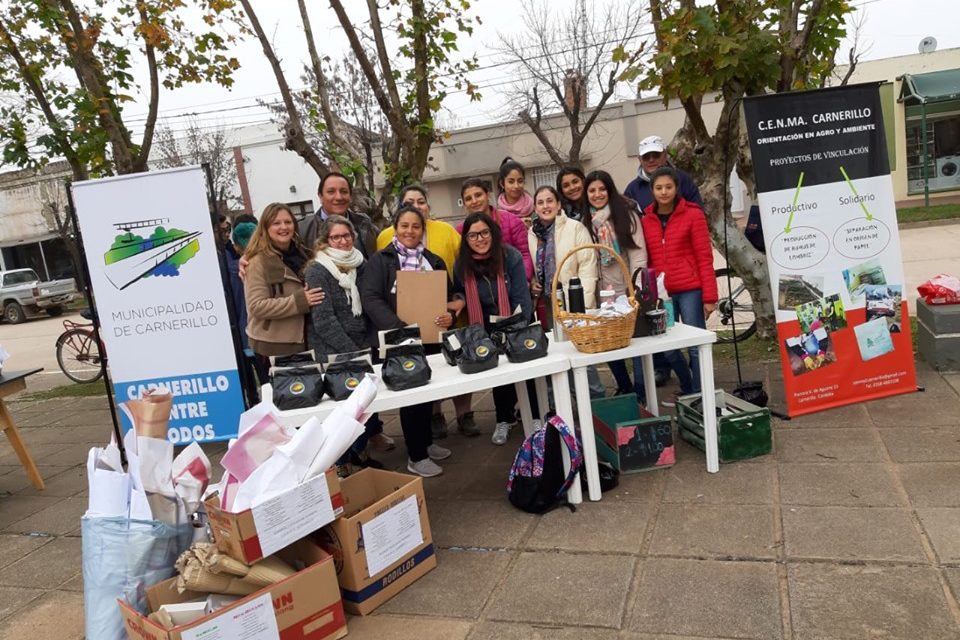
{"x":850,"y":530}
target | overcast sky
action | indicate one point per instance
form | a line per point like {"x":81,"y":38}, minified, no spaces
{"x":892,"y":28}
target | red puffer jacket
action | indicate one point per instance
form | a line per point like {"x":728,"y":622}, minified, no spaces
{"x":682,"y":251}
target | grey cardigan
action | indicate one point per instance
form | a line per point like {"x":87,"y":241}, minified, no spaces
{"x":333,"y":328}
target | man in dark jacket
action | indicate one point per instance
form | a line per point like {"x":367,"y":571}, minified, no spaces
{"x":653,"y":155}
{"x":336,"y":196}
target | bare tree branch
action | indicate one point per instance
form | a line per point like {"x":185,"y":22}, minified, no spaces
{"x":577,"y":59}
{"x":140,"y":163}
{"x":296,"y":139}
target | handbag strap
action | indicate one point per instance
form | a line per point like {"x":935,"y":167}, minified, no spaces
{"x":573,"y":448}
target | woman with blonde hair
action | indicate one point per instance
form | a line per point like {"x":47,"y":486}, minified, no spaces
{"x":277,"y":300}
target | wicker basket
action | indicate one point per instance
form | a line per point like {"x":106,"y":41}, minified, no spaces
{"x":598,"y":333}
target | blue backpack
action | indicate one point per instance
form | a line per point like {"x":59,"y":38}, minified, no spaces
{"x":537,"y":483}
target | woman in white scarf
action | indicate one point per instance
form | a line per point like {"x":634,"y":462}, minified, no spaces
{"x":337,"y":324}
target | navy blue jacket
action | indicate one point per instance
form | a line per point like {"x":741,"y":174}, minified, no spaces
{"x":640,"y":191}
{"x":515,"y":278}
{"x":238,"y":299}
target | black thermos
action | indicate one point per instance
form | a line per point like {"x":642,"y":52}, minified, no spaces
{"x":575,"y":297}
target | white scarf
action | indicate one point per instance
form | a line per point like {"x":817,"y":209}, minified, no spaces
{"x":332,"y":259}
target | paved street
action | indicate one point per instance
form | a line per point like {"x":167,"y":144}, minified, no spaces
{"x":849,"y":530}
{"x":34,"y":344}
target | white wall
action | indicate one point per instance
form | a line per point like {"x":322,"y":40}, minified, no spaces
{"x":277,"y":175}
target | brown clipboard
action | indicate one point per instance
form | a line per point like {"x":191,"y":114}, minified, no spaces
{"x":421,"y":297}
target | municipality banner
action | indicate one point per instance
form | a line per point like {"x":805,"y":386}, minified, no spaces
{"x":149,"y":244}
{"x":833,"y":247}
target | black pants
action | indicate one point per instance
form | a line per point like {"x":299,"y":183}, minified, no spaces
{"x":415,"y":423}
{"x":505,"y":402}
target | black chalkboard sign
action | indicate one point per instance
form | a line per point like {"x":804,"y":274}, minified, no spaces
{"x":645,"y":443}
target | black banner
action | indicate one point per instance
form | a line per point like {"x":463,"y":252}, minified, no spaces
{"x":817,"y":133}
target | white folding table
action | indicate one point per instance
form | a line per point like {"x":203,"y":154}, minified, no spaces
{"x":447,"y":381}
{"x":679,"y":336}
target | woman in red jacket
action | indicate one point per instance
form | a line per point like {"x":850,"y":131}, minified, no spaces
{"x":678,"y":245}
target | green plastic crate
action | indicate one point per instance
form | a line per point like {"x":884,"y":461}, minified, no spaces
{"x":744,"y":432}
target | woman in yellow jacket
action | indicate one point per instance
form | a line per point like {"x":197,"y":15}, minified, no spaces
{"x":277,"y":299}
{"x":439,"y":237}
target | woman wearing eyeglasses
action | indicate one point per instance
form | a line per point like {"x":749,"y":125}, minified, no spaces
{"x":489,"y":275}
{"x":337,"y":324}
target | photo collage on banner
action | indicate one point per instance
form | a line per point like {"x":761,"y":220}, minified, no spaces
{"x":833,"y":248}
{"x":149,"y":244}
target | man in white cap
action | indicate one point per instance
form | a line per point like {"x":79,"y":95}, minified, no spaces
{"x":653,"y":155}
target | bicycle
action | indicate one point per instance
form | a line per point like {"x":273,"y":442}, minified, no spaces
{"x":734,"y":309}
{"x":78,"y":352}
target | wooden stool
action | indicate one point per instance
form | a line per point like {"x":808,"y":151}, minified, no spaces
{"x":10,"y":383}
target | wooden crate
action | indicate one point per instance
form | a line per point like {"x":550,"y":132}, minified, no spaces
{"x":743,"y":429}
{"x":631,"y":438}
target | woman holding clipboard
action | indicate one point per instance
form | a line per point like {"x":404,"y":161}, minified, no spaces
{"x":378,"y":290}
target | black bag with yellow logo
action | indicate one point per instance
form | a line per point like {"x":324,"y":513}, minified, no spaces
{"x":341,"y":378}
{"x":525,"y":344}
{"x":405,"y":367}
{"x":296,"y":387}
{"x":470,"y":349}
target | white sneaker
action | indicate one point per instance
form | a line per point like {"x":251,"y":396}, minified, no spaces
{"x":436,"y":452}
{"x":425,"y":468}
{"x":501,"y":432}
{"x":536,"y":424}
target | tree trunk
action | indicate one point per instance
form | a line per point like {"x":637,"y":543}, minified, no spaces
{"x":746,"y":261}
{"x":710,"y":173}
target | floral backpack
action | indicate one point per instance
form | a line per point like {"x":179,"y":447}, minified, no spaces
{"x":537,"y":483}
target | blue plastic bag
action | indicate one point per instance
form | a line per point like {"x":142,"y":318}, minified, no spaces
{"x":121,"y":558}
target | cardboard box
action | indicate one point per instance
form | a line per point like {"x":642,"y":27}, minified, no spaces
{"x":631,"y":438}
{"x":384,"y":527}
{"x":305,"y":606}
{"x":252,"y":534}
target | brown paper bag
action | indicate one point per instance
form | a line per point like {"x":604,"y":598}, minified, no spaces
{"x":151,"y":414}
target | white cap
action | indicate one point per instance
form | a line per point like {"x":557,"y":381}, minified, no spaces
{"x":652,"y":144}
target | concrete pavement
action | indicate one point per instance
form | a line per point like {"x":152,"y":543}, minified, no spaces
{"x":848,"y":530}
{"x":34,"y":344}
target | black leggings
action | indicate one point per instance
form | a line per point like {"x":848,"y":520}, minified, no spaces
{"x":415,"y":423}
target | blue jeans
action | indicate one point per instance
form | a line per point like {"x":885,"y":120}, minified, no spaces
{"x":688,"y":306}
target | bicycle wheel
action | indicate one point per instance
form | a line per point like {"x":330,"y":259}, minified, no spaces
{"x":734,"y":309}
{"x":78,"y":355}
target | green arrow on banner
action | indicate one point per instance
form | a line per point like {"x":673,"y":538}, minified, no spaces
{"x":854,"y":189}
{"x":796,"y":196}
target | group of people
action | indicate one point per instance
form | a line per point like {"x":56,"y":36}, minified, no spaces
{"x":329,"y":282}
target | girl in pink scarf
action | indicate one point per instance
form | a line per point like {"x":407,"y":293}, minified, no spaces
{"x":513,"y":197}
{"x":475,"y":194}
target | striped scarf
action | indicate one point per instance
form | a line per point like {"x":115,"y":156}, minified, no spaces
{"x":410,"y":259}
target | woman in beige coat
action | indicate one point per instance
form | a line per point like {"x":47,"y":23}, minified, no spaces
{"x":552,"y":236}
{"x":277,"y":299}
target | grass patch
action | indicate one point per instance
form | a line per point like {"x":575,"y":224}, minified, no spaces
{"x":89,"y":390}
{"x":934,"y":212}
{"x":753,"y":349}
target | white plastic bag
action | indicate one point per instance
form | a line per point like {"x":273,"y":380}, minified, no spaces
{"x":121,"y":558}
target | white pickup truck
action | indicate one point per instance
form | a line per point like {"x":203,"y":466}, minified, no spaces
{"x":22,"y":295}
